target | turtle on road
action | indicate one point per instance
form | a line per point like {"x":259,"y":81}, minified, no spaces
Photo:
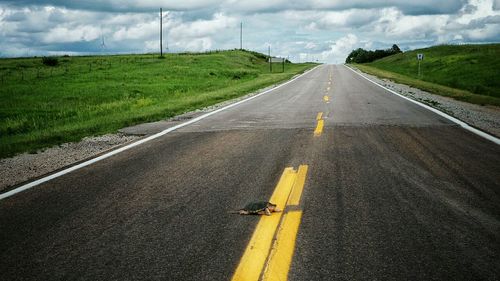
{"x":259,"y":208}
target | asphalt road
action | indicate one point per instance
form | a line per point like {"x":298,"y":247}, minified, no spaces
{"x":393,"y":192}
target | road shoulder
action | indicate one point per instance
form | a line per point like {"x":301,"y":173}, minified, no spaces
{"x":485,"y":118}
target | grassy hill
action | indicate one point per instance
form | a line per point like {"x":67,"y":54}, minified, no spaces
{"x":465,"y":72}
{"x":82,"y":96}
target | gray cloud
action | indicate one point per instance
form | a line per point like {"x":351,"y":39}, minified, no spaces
{"x":496,"y":4}
{"x":116,"y":5}
{"x":482,"y":22}
{"x":18,"y":16}
{"x":249,"y":6}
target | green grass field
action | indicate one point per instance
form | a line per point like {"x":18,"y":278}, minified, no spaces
{"x":465,"y":72}
{"x":83,"y":96}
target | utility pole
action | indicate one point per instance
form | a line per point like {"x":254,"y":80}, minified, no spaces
{"x":270,"y":63}
{"x":241,"y":35}
{"x":161,"y":32}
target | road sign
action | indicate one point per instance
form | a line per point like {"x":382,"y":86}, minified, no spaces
{"x":277,"y":60}
{"x":280,"y":60}
{"x":419,"y":58}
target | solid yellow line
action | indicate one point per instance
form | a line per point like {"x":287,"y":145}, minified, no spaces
{"x":326,"y":98}
{"x":319,"y":128}
{"x":281,"y":256}
{"x":283,"y":188}
{"x":253,"y":260}
{"x":319,"y":116}
{"x":298,"y":186}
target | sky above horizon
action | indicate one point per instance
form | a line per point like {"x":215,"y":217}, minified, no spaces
{"x":299,"y":29}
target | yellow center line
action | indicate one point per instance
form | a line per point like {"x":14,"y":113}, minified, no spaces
{"x":298,"y":186}
{"x":281,"y":256}
{"x":319,"y":128}
{"x":326,"y":98}
{"x":319,"y":116}
{"x":255,"y":255}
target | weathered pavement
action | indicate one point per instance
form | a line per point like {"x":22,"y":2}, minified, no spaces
{"x":393,"y":192}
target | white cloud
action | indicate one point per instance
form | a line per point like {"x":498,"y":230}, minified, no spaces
{"x":483,"y":34}
{"x":202,"y":28}
{"x":71,"y":34}
{"x":310,"y":45}
{"x":200,"y":35}
{"x":340,"y":48}
{"x":396,"y":25}
{"x":199,"y":44}
{"x":151,"y":45}
{"x":141,"y":30}
{"x":350,"y":18}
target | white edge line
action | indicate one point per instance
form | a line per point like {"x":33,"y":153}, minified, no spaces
{"x":139,"y":142}
{"x":449,"y":117}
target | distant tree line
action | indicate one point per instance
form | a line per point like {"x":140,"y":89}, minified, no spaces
{"x":361,"y":55}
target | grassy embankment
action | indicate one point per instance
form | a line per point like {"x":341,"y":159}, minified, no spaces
{"x":83,"y":96}
{"x":468,"y":73}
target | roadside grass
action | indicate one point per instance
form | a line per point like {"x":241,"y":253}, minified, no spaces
{"x":434,"y":88}
{"x":44,"y":105}
{"x":464,"y":72}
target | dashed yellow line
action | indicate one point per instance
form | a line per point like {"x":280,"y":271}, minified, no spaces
{"x":319,"y":116}
{"x":319,"y":128}
{"x":326,"y":98}
{"x":254,"y":258}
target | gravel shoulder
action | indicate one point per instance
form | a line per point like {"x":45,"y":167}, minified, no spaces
{"x":485,"y":118}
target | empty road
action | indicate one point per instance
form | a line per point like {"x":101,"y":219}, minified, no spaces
{"x":392,"y":191}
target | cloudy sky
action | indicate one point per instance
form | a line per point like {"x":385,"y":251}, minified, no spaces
{"x":324,"y":30}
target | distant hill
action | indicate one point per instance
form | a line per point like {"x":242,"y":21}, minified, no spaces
{"x":474,"y":68}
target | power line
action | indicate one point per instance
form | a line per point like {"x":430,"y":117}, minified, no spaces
{"x":270,"y":63}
